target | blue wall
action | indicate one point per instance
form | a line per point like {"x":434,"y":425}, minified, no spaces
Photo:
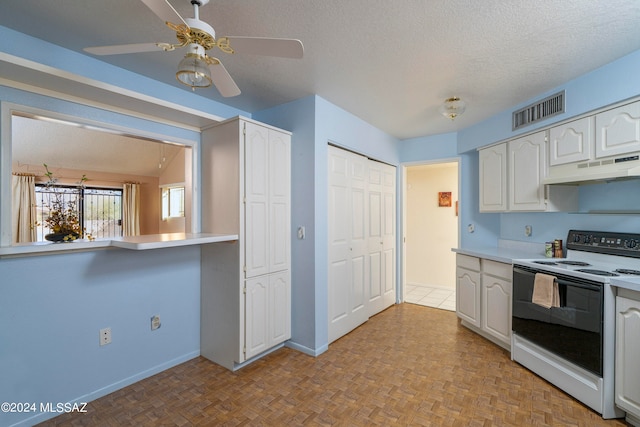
{"x":316,"y":123}
{"x":52,"y":308}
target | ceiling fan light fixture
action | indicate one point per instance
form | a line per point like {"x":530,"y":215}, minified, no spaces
{"x":193,"y":70}
{"x":452,"y":107}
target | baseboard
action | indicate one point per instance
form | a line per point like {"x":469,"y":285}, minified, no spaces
{"x":110,"y":388}
{"x":307,"y":350}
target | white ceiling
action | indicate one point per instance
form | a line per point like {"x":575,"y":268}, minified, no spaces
{"x":59,"y":145}
{"x":389,"y":63}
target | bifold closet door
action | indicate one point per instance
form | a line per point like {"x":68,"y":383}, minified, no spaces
{"x":347,"y":217}
{"x":381,"y":236}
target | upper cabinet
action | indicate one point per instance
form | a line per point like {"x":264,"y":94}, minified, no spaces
{"x":493,"y":178}
{"x":571,"y":142}
{"x":526,"y":168}
{"x":618,"y":131}
{"x":511,"y":175}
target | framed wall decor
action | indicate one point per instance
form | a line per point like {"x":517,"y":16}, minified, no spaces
{"x":444,"y":199}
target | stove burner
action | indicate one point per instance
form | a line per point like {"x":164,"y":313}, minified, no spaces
{"x":578,"y":263}
{"x":597,"y":272}
{"x":627,"y":271}
{"x":546,"y":262}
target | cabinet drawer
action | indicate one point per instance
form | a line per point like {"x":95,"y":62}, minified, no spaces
{"x":497,"y":269}
{"x":468,"y":262}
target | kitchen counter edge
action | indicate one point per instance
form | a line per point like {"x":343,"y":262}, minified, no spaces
{"x":145,"y":242}
{"x":499,"y":254}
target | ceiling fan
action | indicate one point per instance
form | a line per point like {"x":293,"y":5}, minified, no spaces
{"x":197,"y":69}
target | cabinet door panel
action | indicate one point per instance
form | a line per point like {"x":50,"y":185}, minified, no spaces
{"x":627,"y":370}
{"x":256,"y":316}
{"x":279,"y":199}
{"x":493,"y":178}
{"x":256,"y":200}
{"x":280,"y":307}
{"x":526,"y":171}
{"x":468,"y":296}
{"x":618,"y":131}
{"x":496,"y":303}
{"x":571,"y":142}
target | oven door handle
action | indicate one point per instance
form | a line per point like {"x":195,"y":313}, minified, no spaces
{"x":578,"y":284}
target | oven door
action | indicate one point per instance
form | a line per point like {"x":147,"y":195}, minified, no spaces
{"x":572,"y":331}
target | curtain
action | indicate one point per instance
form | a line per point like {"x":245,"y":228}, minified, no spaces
{"x":131,"y":209}
{"x":23,"y":208}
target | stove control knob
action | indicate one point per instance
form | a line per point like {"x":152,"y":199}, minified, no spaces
{"x":587,"y":239}
{"x":576,"y":238}
{"x":631,"y":244}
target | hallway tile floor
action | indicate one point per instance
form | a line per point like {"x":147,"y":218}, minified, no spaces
{"x":430,"y":296}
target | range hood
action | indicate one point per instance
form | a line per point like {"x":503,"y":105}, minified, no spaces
{"x":591,"y":172}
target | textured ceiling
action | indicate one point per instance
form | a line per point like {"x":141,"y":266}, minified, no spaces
{"x":390,"y":63}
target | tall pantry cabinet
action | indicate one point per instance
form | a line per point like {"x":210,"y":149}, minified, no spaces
{"x":246,"y":285}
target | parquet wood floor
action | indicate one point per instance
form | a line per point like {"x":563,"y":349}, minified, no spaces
{"x":409,"y":365}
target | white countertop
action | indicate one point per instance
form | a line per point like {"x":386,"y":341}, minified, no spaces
{"x":631,"y":283}
{"x":500,"y":254}
{"x":150,"y":241}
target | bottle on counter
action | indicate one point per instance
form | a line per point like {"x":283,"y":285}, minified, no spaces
{"x":557,"y":248}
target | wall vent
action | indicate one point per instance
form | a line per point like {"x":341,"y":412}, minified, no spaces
{"x":547,"y":107}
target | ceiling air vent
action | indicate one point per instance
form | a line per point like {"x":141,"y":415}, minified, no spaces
{"x":547,"y":107}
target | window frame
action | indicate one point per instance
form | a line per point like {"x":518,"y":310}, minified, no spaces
{"x":8,"y":109}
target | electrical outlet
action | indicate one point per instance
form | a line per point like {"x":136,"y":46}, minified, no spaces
{"x":155,"y":322}
{"x":105,"y":336}
{"x":301,"y":232}
{"x":471,"y":228}
{"x":527,"y":230}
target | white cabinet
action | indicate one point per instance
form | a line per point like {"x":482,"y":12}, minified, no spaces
{"x":511,"y":175}
{"x":483,"y":297}
{"x":493,"y":178}
{"x":526,"y":169}
{"x":468,"y":289}
{"x":496,"y":300}
{"x":618,"y":131}
{"x":572,"y":142}
{"x":246,"y":285}
{"x":267,"y":302}
{"x":627,"y":368}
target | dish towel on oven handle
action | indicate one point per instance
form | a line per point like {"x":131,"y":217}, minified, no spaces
{"x":545,"y":291}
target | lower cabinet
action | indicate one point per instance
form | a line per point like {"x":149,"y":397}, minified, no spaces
{"x":627,"y":368}
{"x":483,"y":297}
{"x":267,"y":312}
{"x":468,"y":289}
{"x":241,"y":319}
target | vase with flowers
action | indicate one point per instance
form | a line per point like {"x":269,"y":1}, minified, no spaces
{"x":63,"y":219}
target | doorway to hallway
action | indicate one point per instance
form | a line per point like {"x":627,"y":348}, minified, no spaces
{"x":431,"y":230}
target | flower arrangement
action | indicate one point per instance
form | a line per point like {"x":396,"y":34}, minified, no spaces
{"x":63,"y":219}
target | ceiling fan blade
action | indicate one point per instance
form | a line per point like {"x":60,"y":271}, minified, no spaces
{"x":164,"y":10}
{"x":127,"y":48}
{"x":223,"y":80}
{"x":283,"y":48}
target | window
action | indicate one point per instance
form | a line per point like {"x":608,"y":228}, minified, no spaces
{"x":172,"y":202}
{"x":100,"y":209}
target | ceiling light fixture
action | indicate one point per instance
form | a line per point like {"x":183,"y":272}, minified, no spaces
{"x":193,"y":70}
{"x":452,"y":107}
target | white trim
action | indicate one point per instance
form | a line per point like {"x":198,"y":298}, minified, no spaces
{"x":16,"y":60}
